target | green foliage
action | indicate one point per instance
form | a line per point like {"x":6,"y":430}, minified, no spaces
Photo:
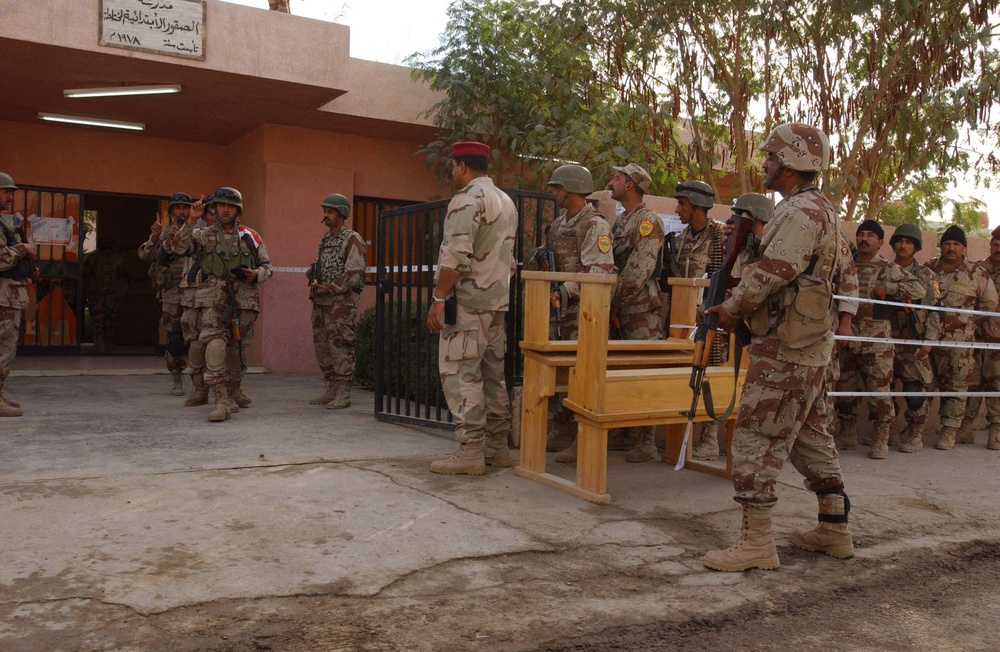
{"x":922,"y":199}
{"x":410,"y":353}
{"x":364,"y":350}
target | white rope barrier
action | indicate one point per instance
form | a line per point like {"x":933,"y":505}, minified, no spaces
{"x":947,"y":344}
{"x":918,"y":394}
{"x":917,"y":306}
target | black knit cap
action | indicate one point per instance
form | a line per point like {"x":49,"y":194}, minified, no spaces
{"x":954,"y":233}
{"x":874,"y":227}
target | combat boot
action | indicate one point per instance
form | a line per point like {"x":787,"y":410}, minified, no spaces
{"x":495,"y":451}
{"x":236,"y":393}
{"x":559,"y":436}
{"x":567,"y":455}
{"x":221,"y":411}
{"x":993,"y":442}
{"x":326,"y":396}
{"x":8,"y":410}
{"x":754,"y":549}
{"x":913,"y":438}
{"x":467,"y":460}
{"x":847,"y":436}
{"x":8,"y":400}
{"x":177,"y":389}
{"x":645,"y":446}
{"x":964,"y":434}
{"x":231,"y":404}
{"x":894,"y":437}
{"x":946,"y":440}
{"x":342,"y":396}
{"x":880,"y":443}
{"x":199,"y":392}
{"x":831,"y":536}
{"x":708,"y":447}
{"x":619,"y":439}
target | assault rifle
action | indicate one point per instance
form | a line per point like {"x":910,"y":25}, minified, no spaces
{"x":708,"y":327}
{"x":547,"y":257}
{"x":231,"y":313}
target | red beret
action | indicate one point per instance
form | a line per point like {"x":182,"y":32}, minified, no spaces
{"x":470,"y":149}
{"x":995,"y":233}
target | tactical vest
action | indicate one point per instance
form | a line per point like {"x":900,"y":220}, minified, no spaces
{"x":224,"y":252}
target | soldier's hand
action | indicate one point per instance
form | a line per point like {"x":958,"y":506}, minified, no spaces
{"x":878,"y":292}
{"x":197,"y":210}
{"x":247,"y":274}
{"x":434,"y":314}
{"x":25,"y":249}
{"x":922,"y":352}
{"x":728,"y":227}
{"x":320,"y":290}
{"x":156,"y":228}
{"x":844,"y":330}
{"x":726,"y":321}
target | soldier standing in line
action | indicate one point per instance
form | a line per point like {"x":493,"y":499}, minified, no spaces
{"x":785,"y":297}
{"x":637,"y":241}
{"x":229,"y":256}
{"x":580,"y":238}
{"x":167,"y":272}
{"x":912,"y":365}
{"x":335,"y":283}
{"x":475,"y":264}
{"x":190,"y":327}
{"x":963,"y":284}
{"x":701,"y":248}
{"x":869,"y":364}
{"x":989,"y":359}
{"x":17,"y":265}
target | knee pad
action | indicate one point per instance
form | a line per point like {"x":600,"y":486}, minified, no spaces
{"x":175,"y":344}
{"x":914,"y":402}
{"x":196,"y":354}
{"x":215,"y":355}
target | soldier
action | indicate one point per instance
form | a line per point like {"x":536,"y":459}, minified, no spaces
{"x":870,"y":363}
{"x":989,"y":360}
{"x":335,"y":283}
{"x":167,"y":272}
{"x":701,"y":247}
{"x":785,"y":297}
{"x":637,"y":241}
{"x":965,"y":285}
{"x":231,"y":260}
{"x":190,"y":327}
{"x":105,"y":282}
{"x":911,"y":365}
{"x":580,"y":238}
{"x":17,"y":265}
{"x":475,"y":264}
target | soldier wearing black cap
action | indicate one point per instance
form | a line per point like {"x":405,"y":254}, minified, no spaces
{"x":989,"y":359}
{"x":167,"y":271}
{"x":869,"y":364}
{"x":967,"y":286}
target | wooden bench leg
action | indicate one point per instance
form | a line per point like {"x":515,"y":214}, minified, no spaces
{"x":592,"y":460}
{"x":539,"y":385}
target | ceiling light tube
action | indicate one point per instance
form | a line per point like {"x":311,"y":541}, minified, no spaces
{"x":118,"y":91}
{"x":93,"y":122}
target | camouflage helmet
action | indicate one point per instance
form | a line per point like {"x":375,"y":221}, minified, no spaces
{"x":910,"y":231}
{"x":7,"y":181}
{"x":573,"y":178}
{"x":698,"y":193}
{"x":337,"y":202}
{"x":227,"y":195}
{"x":181,"y":198}
{"x":759,"y":206}
{"x":799,"y":147}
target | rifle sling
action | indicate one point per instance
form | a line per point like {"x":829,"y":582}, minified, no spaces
{"x":707,"y":389}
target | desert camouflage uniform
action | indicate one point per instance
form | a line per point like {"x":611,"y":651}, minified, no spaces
{"x":219,"y":252}
{"x":783,"y":409}
{"x":479,"y":233}
{"x":105,"y":284}
{"x":637,"y":246}
{"x":989,"y":359}
{"x":13,"y":298}
{"x":340,"y":264}
{"x":968,"y":287}
{"x":869,"y":364}
{"x":906,"y":368}
{"x":167,"y":281}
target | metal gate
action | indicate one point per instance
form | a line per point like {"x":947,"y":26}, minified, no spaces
{"x":407,"y":384}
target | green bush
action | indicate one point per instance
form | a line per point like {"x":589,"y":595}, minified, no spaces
{"x":410,"y":352}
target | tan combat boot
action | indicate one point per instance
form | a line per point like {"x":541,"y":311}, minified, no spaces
{"x":567,"y":455}
{"x":342,"y":395}
{"x":328,"y":395}
{"x":199,"y":391}
{"x":559,"y":436}
{"x":946,"y":440}
{"x":645,"y":446}
{"x":913,"y":438}
{"x":8,"y":410}
{"x":880,"y":443}
{"x":964,"y":434}
{"x":236,"y":393}
{"x":831,"y":536}
{"x":993,"y":441}
{"x":467,"y":460}
{"x":221,"y":411}
{"x":847,"y":437}
{"x":754,"y":549}
{"x":495,"y":451}
{"x":8,"y":400}
{"x":708,"y":447}
{"x":231,"y":403}
{"x":619,"y":439}
{"x":177,"y":389}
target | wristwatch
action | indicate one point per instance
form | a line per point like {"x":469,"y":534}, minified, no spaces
{"x":434,"y":299}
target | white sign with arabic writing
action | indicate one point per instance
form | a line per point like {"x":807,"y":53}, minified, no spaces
{"x":172,"y":27}
{"x":50,"y":230}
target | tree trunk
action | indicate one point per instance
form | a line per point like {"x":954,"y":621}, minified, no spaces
{"x":280,"y":5}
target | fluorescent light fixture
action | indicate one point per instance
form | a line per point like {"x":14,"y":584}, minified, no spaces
{"x":93,"y":122}
{"x":118,"y":91}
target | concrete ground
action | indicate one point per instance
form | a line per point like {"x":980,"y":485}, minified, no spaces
{"x":131,"y":523}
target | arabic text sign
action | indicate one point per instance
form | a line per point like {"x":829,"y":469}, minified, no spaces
{"x":51,"y":230}
{"x":172,"y":27}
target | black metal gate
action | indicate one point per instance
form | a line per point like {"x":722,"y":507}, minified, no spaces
{"x":407,"y":384}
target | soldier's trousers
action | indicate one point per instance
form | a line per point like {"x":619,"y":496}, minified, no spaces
{"x":989,"y":378}
{"x":470,"y":359}
{"x":783,"y":414}
{"x":906,"y":369}
{"x":333,"y":331}
{"x":221,"y":351}
{"x":956,"y":371}
{"x":171,"y":315}
{"x":10,"y":330}
{"x":642,"y":325}
{"x":868,"y":366}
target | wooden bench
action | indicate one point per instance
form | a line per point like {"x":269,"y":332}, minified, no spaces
{"x":610,"y":384}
